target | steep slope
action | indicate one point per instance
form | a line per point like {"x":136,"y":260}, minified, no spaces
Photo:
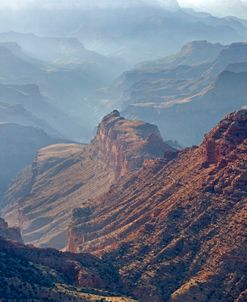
{"x":63,"y":177}
{"x":188,"y":118}
{"x":177,"y":229}
{"x":41,"y":275}
{"x":18,"y":148}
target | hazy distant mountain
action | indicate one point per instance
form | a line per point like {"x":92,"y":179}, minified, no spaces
{"x":18,"y":148}
{"x":71,"y":80}
{"x":14,"y":66}
{"x":32,"y":105}
{"x":170,"y":77}
{"x":75,"y":78}
{"x":187,"y":119}
{"x":199,"y":61}
{"x":188,"y":90}
{"x":154,"y":31}
{"x":19,"y":115}
{"x":62,"y":54}
{"x":192,"y":53}
{"x":235,"y":53}
{"x":57,"y":49}
{"x":220,"y":7}
{"x":123,"y":28}
{"x":237,"y":67}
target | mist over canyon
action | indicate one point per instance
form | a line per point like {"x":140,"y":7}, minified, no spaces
{"x":123,"y":169}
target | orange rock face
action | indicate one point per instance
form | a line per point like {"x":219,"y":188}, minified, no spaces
{"x":177,"y":229}
{"x":225,"y":137}
{"x":68,"y":176}
{"x":123,"y":145}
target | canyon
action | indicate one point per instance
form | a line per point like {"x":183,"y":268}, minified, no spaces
{"x":170,"y":222}
{"x":123,"y":154}
{"x":176,"y":229}
{"x":187,"y":93}
{"x":64,"y":176}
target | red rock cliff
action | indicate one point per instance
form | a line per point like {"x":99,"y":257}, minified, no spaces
{"x":224,"y":138}
{"x":177,"y":230}
{"x":123,"y":145}
{"x":68,"y":176}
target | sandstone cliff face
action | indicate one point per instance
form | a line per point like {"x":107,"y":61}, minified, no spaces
{"x":123,"y":145}
{"x":13,"y":234}
{"x":224,"y":138}
{"x":177,"y":229}
{"x":68,"y":176}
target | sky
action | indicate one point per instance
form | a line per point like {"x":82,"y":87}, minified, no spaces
{"x":216,"y":7}
{"x":53,"y":3}
{"x":236,"y":8}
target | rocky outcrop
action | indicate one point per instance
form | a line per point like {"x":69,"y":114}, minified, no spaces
{"x":225,"y":137}
{"x":177,"y":230}
{"x":123,"y":145}
{"x":13,"y":234}
{"x":67,"y":176}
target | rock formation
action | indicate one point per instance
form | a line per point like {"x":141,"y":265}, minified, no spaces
{"x":67,"y":176}
{"x":234,"y":131}
{"x":123,"y":145}
{"x":176,"y":230}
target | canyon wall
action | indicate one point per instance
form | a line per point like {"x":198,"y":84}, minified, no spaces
{"x":68,"y":176}
{"x":176,"y":229}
